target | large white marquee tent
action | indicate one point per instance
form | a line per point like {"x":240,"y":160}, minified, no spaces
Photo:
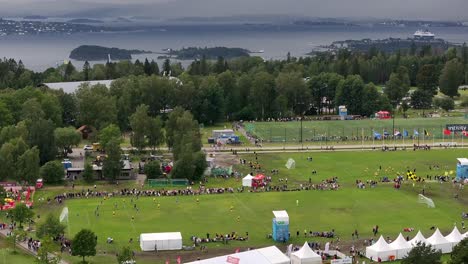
{"x":418,"y":238}
{"x":438,"y":241}
{"x":401,"y":246}
{"x":454,"y":237}
{"x":268,"y":255}
{"x":305,"y":255}
{"x":380,"y":249}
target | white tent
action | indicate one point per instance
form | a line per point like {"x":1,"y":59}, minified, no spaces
{"x":402,"y":246}
{"x":305,"y":255}
{"x":438,"y":241}
{"x":268,"y":255}
{"x":418,"y":238}
{"x":455,"y":237}
{"x":247,"y":180}
{"x":380,"y":249}
{"x":465,"y":235}
{"x":161,"y":241}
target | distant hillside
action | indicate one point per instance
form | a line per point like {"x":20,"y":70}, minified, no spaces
{"x":98,"y":53}
{"x":209,"y":53}
{"x":85,"y":21}
{"x":34,"y":17}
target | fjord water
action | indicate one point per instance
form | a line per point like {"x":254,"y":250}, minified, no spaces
{"x":39,"y":52}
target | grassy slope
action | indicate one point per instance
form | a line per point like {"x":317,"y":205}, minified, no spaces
{"x":343,"y":210}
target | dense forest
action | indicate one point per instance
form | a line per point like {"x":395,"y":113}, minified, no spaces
{"x":168,"y":104}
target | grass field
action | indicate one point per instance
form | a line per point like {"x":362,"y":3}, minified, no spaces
{"x":344,"y":210}
{"x":8,"y":257}
{"x":319,"y":130}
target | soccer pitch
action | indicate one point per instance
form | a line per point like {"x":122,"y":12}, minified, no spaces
{"x":319,"y":130}
{"x":344,"y":210}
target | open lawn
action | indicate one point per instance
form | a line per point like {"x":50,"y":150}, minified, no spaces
{"x":343,"y":210}
{"x":319,"y":130}
{"x":7,"y":256}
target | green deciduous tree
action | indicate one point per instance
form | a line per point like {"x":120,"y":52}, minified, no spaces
{"x":84,"y":244}
{"x":139,"y":123}
{"x":445,"y":103}
{"x":52,"y":172}
{"x":51,"y":227}
{"x":460,"y":253}
{"x":88,"y":173}
{"x":397,"y":86}
{"x":40,"y":135}
{"x":428,"y":78}
{"x":451,"y":78}
{"x":153,"y":170}
{"x":47,"y":253}
{"x":21,"y":213}
{"x":155,"y":133}
{"x":96,"y":106}
{"x":421,"y":99}
{"x":66,"y":138}
{"x":423,"y":254}
{"x":112,"y":165}
{"x":125,"y":254}
{"x":171,"y":125}
{"x":109,"y":133}
{"x":28,"y":165}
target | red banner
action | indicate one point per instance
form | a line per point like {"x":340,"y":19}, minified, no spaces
{"x":447,"y":132}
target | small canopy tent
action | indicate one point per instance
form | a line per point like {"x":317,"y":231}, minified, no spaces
{"x":418,"y":238}
{"x":247,"y":181}
{"x":455,"y":237}
{"x":258,"y":181}
{"x":380,"y":249}
{"x":161,"y":241}
{"x":305,"y":255}
{"x":402,"y":247}
{"x":438,"y":241}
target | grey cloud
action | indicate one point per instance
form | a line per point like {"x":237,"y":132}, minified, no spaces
{"x":410,"y":9}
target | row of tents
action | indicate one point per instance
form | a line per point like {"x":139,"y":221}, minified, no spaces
{"x":400,"y":248}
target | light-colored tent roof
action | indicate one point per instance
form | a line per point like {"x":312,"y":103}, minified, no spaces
{"x":463,"y":161}
{"x":437,"y":238}
{"x":465,"y":235}
{"x":306,"y":252}
{"x":161,"y":236}
{"x":380,"y":245}
{"x":400,"y":243}
{"x":71,"y":87}
{"x":455,"y":236}
{"x":269,"y":255}
{"x":281,"y":215}
{"x":248,"y":177}
{"x":418,"y":238}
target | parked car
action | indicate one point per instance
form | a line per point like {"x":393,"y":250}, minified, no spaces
{"x":88,"y":147}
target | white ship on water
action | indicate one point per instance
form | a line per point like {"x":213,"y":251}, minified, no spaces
{"x":424,"y":34}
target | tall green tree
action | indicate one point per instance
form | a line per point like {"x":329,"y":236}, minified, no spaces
{"x":155,"y":133}
{"x":428,"y":78}
{"x":84,"y":244}
{"x":423,"y":254}
{"x":52,"y":172}
{"x":96,"y":107}
{"x":139,"y":123}
{"x":21,"y":213}
{"x":171,"y":125}
{"x":88,"y":173}
{"x":51,"y":227}
{"x":86,"y":70}
{"x":66,"y":138}
{"x":28,"y":165}
{"x":109,"y":133}
{"x":451,"y":78}
{"x":40,"y":135}
{"x":421,"y":99}
{"x":446,"y":103}
{"x":187,"y":135}
{"x":112,"y":166}
{"x":263,"y":94}
{"x":397,"y":86}
{"x":350,"y":93}
{"x":167,"y":67}
{"x":153,"y":170}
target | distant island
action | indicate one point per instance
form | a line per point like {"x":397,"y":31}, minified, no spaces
{"x":98,"y":53}
{"x":85,"y":21}
{"x":192,"y":53}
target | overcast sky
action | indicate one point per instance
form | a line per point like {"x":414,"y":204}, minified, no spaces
{"x":410,"y":9}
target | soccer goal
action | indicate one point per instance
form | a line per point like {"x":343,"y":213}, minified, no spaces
{"x":423,"y":199}
{"x":291,"y":164}
{"x":64,"y":215}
